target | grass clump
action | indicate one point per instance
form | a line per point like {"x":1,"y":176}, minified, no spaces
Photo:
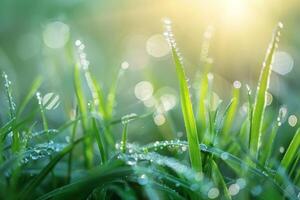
{"x":226,"y":159}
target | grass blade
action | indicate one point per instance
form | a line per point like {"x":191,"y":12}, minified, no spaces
{"x":220,"y":180}
{"x":292,"y":151}
{"x":186,"y":105}
{"x":260,"y":100}
{"x":88,"y":151}
{"x":82,"y":188}
{"x":36,"y":84}
{"x":233,"y":108}
{"x":25,"y":194}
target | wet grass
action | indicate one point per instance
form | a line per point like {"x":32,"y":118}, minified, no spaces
{"x":216,"y":161}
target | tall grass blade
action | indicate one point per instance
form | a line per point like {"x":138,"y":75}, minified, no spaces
{"x":12,"y":111}
{"x":99,"y":140}
{"x":207,"y":63}
{"x":186,"y":104}
{"x":88,"y":148}
{"x":260,"y":100}
{"x":111,"y":97}
{"x":202,"y":112}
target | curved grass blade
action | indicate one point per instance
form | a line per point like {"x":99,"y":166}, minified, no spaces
{"x":186,"y":104}
{"x":123,"y":193}
{"x":233,"y":162}
{"x":82,"y":188}
{"x":259,"y":106}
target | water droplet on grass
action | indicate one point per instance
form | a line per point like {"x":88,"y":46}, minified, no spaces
{"x":281,"y":149}
{"x":127,"y":118}
{"x":131,"y":161}
{"x":237,"y":84}
{"x":269,"y":98}
{"x":143,"y":179}
{"x":224,"y":156}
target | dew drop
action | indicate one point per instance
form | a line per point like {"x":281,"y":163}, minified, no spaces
{"x":131,"y":161}
{"x":224,"y":156}
{"x":143,"y":179}
{"x":237,"y":84}
{"x":127,"y":118}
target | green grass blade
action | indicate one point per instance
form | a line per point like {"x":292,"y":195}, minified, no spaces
{"x":233,"y":108}
{"x":186,"y":106}
{"x":98,"y":101}
{"x":202,"y":112}
{"x":292,"y":151}
{"x":42,"y":110}
{"x":111,"y":97}
{"x":268,"y":142}
{"x":27,"y":190}
{"x":6,"y":128}
{"x":72,"y":139}
{"x":207,"y":63}
{"x":220,"y":180}
{"x":11,"y":104}
{"x":88,"y":148}
{"x":260,"y":100}
{"x":99,"y":140}
{"x":82,"y":188}
{"x":124,"y":137}
{"x":12,"y":112}
{"x":35,"y":85}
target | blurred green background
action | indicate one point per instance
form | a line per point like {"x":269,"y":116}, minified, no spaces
{"x":37,"y":38}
